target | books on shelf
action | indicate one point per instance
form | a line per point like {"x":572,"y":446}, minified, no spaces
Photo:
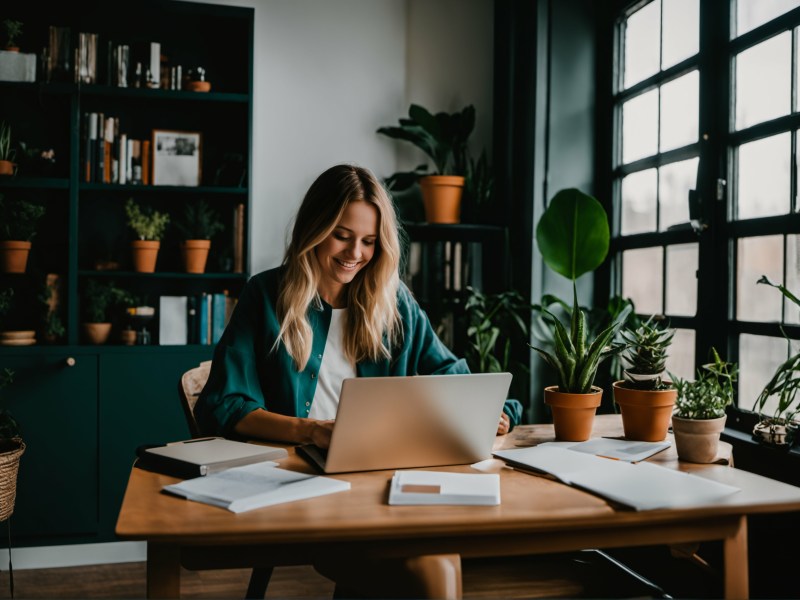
{"x":255,"y":486}
{"x":110,"y":154}
{"x":441,"y":487}
{"x":206,"y":315}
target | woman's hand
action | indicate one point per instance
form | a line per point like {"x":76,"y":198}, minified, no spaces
{"x":321,"y":432}
{"x":504,"y":425}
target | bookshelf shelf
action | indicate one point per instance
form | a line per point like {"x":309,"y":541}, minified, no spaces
{"x":161,"y":275}
{"x":42,"y":183}
{"x":172,"y":189}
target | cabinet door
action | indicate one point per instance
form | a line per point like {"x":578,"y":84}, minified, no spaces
{"x":139,"y":404}
{"x":54,"y":399}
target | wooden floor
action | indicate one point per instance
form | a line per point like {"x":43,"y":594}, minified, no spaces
{"x":577,"y":575}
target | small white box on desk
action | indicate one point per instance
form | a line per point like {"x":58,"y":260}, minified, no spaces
{"x":441,"y":487}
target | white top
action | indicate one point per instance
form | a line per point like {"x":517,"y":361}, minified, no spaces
{"x":334,"y":369}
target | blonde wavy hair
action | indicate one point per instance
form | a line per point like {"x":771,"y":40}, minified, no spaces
{"x":373,"y":322}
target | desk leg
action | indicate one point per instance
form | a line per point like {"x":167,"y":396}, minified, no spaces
{"x":736,"y":564}
{"x":163,"y":571}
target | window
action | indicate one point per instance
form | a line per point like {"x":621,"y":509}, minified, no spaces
{"x":711,"y":114}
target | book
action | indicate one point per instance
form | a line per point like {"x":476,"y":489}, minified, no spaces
{"x":217,"y":316}
{"x":255,"y":486}
{"x":618,"y":449}
{"x":441,"y":487}
{"x":172,"y":322}
{"x":238,"y":238}
{"x":204,"y":319}
{"x":203,"y":456}
{"x":640,"y":486}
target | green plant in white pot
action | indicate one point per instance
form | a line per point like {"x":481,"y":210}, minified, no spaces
{"x":573,"y":238}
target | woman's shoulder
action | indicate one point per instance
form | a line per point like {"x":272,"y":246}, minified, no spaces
{"x":266,"y":283}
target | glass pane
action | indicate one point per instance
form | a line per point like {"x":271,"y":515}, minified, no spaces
{"x":759,"y":256}
{"x":759,"y":356}
{"x":642,"y":35}
{"x":792,"y":314}
{"x":681,"y":354}
{"x":639,"y":202}
{"x":679,"y":114}
{"x":764,"y":177}
{"x":763,"y":81}
{"x":640,"y":126}
{"x":642,"y":279}
{"x":682,"y":264}
{"x":752,"y":13}
{"x":681,"y":27}
{"x":674,"y":182}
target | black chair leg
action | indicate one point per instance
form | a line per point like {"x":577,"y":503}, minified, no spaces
{"x":259,"y":580}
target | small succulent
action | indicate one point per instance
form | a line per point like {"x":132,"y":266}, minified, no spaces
{"x":646,"y":354}
{"x":13,"y":31}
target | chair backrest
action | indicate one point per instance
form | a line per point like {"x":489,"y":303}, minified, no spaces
{"x":189,"y":387}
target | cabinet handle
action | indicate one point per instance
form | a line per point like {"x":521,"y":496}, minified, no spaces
{"x":70,"y":361}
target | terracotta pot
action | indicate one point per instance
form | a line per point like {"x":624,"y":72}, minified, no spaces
{"x":14,"y":256}
{"x":127,"y":337}
{"x":441,"y":195}
{"x":97,"y":333}
{"x":6,"y":167}
{"x":195,"y":255}
{"x":696,"y":440}
{"x":573,"y":414}
{"x":145,"y":253}
{"x":645,"y":413}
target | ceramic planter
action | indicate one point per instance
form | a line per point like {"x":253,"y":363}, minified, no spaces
{"x":14,"y":256}
{"x":573,"y":414}
{"x":145,"y":253}
{"x":441,"y":195}
{"x":775,"y":434}
{"x":97,"y":333}
{"x":645,"y":413}
{"x":696,"y":440}
{"x":195,"y":255}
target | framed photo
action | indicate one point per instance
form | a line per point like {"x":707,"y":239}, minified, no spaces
{"x":176,"y":157}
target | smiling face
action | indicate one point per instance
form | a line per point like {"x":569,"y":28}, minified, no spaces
{"x":347,"y":250}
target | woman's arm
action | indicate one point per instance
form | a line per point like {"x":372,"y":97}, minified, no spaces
{"x":266,"y":425}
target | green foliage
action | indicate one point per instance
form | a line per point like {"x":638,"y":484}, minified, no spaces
{"x":100,"y":298}
{"x":18,"y":218}
{"x":5,"y":304}
{"x":13,"y":30}
{"x":646,"y":353}
{"x":199,"y":222}
{"x":707,"y":396}
{"x":494,"y":322}
{"x":146,"y":222}
{"x":785,"y":382}
{"x":6,"y":151}
{"x":9,"y":428}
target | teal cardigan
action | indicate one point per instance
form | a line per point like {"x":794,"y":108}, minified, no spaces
{"x":247,"y":374}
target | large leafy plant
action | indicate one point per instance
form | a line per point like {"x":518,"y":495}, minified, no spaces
{"x":573,"y":238}
{"x":18,"y":218}
{"x":710,"y":393}
{"x":148,"y":224}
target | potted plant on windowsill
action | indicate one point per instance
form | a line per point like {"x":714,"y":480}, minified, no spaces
{"x":11,"y":450}
{"x":18,"y":219}
{"x":700,"y":405}
{"x":199,"y":224}
{"x":149,"y":225}
{"x":645,"y":397}
{"x":443,"y":137}
{"x":7,"y":153}
{"x":573,"y":238}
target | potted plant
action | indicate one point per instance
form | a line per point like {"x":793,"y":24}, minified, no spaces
{"x":573,"y":238}
{"x":779,"y":427}
{"x":199,"y":224}
{"x":700,"y":405}
{"x":7,"y":153}
{"x":442,"y":137}
{"x":149,"y":225}
{"x":99,"y":299}
{"x":18,"y":219}
{"x":13,"y":30}
{"x":645,"y":397}
{"x":11,"y":450}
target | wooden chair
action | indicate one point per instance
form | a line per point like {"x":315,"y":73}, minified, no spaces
{"x":189,"y":387}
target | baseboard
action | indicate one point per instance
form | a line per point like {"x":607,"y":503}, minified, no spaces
{"x":50,"y":557}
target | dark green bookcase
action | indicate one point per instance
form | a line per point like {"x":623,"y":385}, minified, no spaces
{"x":83,"y":408}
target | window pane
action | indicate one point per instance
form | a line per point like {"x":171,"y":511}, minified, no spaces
{"x":639,"y":202}
{"x":682,"y":263}
{"x":675,"y":181}
{"x":759,"y":356}
{"x":640,"y":126}
{"x":642,"y":35}
{"x":764,"y":177}
{"x":681,"y":354}
{"x":758,"y":256}
{"x":763,"y":81}
{"x":680,"y":30}
{"x":679,"y":112}
{"x":642,"y":279}
{"x":752,"y":13}
{"x":792,"y":278}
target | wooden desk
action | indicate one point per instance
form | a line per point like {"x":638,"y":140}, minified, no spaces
{"x":537,"y":515}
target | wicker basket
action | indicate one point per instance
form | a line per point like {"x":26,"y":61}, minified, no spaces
{"x":9,"y":466}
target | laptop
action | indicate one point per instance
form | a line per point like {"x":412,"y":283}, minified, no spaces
{"x":413,"y":421}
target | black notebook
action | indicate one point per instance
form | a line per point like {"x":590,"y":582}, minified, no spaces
{"x":202,"y":456}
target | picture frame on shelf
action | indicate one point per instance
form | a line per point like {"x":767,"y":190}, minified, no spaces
{"x":177,"y":157}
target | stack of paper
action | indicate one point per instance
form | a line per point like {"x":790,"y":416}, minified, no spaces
{"x":438,"y":487}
